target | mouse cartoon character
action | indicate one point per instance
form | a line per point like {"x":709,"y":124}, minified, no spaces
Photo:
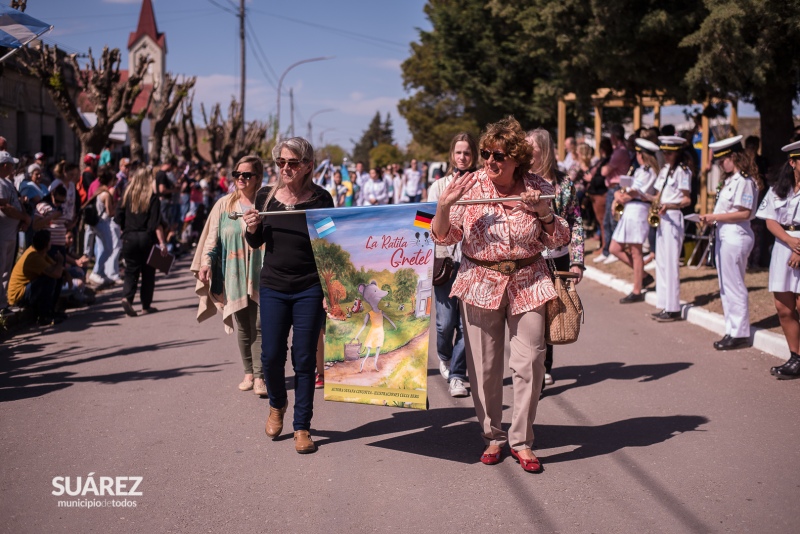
{"x":375,"y":336}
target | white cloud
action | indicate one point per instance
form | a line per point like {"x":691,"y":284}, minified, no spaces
{"x":390,"y":64}
{"x":209,"y":90}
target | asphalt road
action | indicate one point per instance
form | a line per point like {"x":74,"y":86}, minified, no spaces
{"x":647,"y":429}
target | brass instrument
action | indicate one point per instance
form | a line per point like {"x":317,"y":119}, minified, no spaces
{"x":617,"y":208}
{"x":653,"y":218}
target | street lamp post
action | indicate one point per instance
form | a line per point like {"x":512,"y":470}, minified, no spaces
{"x":308,"y":136}
{"x":280,"y":83}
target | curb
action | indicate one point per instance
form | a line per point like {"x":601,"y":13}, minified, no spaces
{"x":763,"y":340}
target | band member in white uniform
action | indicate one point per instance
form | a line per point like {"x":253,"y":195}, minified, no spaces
{"x":633,"y":229}
{"x":736,"y":206}
{"x":781,"y":209}
{"x":675,"y":186}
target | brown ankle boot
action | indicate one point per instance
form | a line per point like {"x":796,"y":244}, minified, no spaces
{"x":303,"y":443}
{"x":275,"y":422}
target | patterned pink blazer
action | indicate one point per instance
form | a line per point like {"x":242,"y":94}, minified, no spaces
{"x":488,"y":233}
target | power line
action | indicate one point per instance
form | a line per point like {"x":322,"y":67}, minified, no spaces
{"x":269,"y":79}
{"x":224,"y":8}
{"x":374,"y":41}
{"x":263,"y":54}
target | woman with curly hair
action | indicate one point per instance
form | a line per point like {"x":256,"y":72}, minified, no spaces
{"x":503,"y":282}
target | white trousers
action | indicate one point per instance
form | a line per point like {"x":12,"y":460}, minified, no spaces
{"x":734,"y":243}
{"x":7,"y":250}
{"x":669,"y":244}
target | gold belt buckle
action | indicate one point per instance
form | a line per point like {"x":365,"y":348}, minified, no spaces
{"x":507,"y":266}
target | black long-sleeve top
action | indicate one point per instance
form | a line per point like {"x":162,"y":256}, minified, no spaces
{"x":147,"y":221}
{"x":288,"y":260}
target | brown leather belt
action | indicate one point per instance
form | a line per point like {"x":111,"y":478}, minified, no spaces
{"x":791,"y":227}
{"x":506,"y":266}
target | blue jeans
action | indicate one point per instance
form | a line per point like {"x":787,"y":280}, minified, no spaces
{"x":303,"y":313}
{"x":448,"y":324}
{"x":104,"y":246}
{"x":609,"y":224}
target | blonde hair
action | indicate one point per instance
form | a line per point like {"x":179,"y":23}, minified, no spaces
{"x":258,"y":170}
{"x":139,"y":191}
{"x":651,"y":161}
{"x":304,"y":152}
{"x":585,"y":153}
{"x":546,"y":165}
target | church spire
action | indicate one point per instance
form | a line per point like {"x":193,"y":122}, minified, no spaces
{"x":147,"y":27}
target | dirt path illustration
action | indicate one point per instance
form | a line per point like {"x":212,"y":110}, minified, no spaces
{"x":347,"y":372}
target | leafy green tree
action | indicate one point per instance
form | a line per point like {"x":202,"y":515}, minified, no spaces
{"x":335,"y":152}
{"x":333,"y":262}
{"x":378,"y":132}
{"x":749,"y":49}
{"x":384,"y":154}
{"x":405,"y":281}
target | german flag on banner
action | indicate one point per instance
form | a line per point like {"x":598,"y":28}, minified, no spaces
{"x":423,"y":220}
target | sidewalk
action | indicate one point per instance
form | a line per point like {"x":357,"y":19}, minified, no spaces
{"x":763,"y":339}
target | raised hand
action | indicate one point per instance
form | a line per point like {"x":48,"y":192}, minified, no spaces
{"x":456,"y":189}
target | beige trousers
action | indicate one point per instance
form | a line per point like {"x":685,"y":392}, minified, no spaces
{"x":484,"y":334}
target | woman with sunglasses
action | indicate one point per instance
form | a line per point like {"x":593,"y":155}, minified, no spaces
{"x":781,"y":210}
{"x":291,"y":294}
{"x":503,"y":282}
{"x":223,"y":251}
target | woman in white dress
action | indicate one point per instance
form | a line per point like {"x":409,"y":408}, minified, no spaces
{"x":781,"y":209}
{"x":633,"y":230}
{"x":737,"y":199}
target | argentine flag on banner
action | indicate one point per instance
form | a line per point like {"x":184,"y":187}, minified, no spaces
{"x":18,"y":29}
{"x":325,"y":227}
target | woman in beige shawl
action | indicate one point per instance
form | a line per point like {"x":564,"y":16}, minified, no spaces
{"x":227,"y":271}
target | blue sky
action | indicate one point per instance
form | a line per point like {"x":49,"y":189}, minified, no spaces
{"x":369,"y":40}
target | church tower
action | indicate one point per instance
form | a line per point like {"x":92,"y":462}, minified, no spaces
{"x":146,"y":41}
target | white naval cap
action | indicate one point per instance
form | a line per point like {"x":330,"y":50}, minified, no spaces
{"x":671,"y":142}
{"x":726,"y":147}
{"x":792,"y":150}
{"x":648,"y":147}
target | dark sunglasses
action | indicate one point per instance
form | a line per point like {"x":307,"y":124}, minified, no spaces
{"x":292,"y":163}
{"x":498,"y":156}
{"x":243,"y":175}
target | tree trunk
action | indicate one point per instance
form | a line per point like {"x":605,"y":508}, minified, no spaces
{"x":158,"y":145}
{"x":135,"y":133}
{"x":775,"y":107}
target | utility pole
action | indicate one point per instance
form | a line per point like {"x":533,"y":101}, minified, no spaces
{"x":242,"y":53}
{"x":291,"y":108}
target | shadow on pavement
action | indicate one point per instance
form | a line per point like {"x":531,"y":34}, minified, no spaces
{"x":438,"y":433}
{"x":600,"y":440}
{"x":588,"y":375}
{"x":24,"y":377}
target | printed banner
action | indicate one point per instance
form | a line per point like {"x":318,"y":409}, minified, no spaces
{"x":376,"y":267}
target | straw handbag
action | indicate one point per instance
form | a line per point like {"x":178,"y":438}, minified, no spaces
{"x":563,"y":314}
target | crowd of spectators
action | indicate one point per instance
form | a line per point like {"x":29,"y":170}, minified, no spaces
{"x":58,"y":228}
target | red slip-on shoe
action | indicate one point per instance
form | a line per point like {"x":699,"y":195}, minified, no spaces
{"x":491,"y":459}
{"x":531,"y":466}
